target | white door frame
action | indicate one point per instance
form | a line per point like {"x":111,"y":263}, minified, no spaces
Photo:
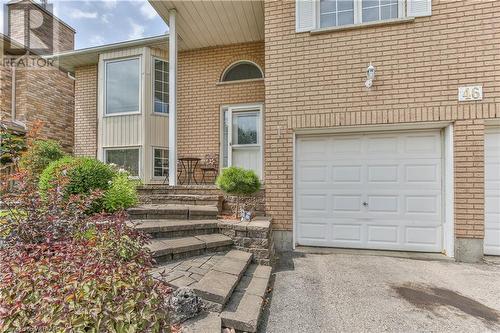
{"x":256,"y":108}
{"x":448,"y":177}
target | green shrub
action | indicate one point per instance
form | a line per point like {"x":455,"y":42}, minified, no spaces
{"x":121,"y":194}
{"x":239,"y":182}
{"x":40,"y":154}
{"x":85,"y":174}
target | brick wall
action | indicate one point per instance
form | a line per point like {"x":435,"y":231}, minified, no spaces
{"x":46,"y":95}
{"x":318,"y":81}
{"x":59,"y":34}
{"x":5,"y":92}
{"x":200,"y":96}
{"x":86,"y":111}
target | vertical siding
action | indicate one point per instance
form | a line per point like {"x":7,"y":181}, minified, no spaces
{"x":124,"y":130}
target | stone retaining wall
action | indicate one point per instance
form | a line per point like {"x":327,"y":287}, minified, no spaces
{"x":254,"y":237}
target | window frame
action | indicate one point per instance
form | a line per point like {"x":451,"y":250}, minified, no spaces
{"x":105,"y":92}
{"x":139,"y":157}
{"x":236,"y":63}
{"x":162,"y":114}
{"x":358,"y":15}
{"x":153,"y":162}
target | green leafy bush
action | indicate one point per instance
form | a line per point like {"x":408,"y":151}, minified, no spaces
{"x":239,"y":182}
{"x":11,"y":147}
{"x":121,"y":194}
{"x":40,"y":154}
{"x":86,"y":175}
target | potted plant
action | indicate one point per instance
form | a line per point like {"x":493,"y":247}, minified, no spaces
{"x":239,"y":183}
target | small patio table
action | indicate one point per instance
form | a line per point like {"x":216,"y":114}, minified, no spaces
{"x":189,"y":165}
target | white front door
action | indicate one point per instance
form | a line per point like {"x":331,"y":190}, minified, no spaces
{"x":492,"y":191}
{"x":242,"y":138}
{"x":375,"y":191}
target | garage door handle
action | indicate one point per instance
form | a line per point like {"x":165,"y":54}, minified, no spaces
{"x":365,"y":203}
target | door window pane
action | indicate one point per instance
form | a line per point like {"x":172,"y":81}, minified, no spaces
{"x":245,"y":128}
{"x":122,"y":86}
{"x":127,"y":159}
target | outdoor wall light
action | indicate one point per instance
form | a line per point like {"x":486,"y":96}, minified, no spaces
{"x":370,"y":76}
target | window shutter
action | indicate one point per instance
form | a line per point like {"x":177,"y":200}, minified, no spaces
{"x":419,"y":8}
{"x":305,"y":15}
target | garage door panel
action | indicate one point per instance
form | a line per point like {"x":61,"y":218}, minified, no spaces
{"x":398,"y":179}
{"x":421,"y":173}
{"x":492,"y":191}
{"x":346,"y":173}
{"x":383,"y":234}
{"x":383,"y":173}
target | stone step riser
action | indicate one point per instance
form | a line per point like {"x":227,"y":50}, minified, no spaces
{"x":182,"y":233}
{"x":158,"y":215}
{"x":161,"y":200}
{"x":165,"y":258}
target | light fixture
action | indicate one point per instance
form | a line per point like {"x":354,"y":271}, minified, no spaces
{"x":370,"y":76}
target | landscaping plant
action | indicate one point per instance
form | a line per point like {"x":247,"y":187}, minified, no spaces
{"x":238,"y":182}
{"x":88,"y":174}
{"x":65,"y":271}
{"x":39,"y":155}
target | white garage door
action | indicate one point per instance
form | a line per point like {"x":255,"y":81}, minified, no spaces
{"x":376,"y":191}
{"x":492,"y":191}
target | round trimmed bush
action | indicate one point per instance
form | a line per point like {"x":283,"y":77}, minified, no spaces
{"x":40,"y":154}
{"x":238,"y":181}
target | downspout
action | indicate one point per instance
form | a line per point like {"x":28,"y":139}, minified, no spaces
{"x":13,"y":97}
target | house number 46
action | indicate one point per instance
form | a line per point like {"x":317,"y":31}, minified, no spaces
{"x":470,"y":93}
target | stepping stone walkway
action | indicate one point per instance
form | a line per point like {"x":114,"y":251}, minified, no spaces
{"x":190,"y":252}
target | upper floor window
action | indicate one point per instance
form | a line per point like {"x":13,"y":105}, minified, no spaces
{"x":160,"y":86}
{"x":243,"y":70}
{"x":342,"y":12}
{"x":122,"y":86}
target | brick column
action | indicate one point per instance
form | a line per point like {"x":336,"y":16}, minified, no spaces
{"x":86,"y":111}
{"x":469,"y":189}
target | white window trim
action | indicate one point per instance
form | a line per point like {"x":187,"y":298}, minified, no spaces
{"x":106,"y":149}
{"x":153,"y":162}
{"x":232,"y":65}
{"x":153,"y":112}
{"x":358,"y":16}
{"x":105,"y":63}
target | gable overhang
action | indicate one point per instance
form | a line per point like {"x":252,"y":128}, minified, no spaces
{"x":208,"y":23}
{"x":89,"y":56}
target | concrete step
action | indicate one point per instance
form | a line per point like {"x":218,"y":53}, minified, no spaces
{"x":167,"y":249}
{"x":218,"y":284}
{"x":183,"y":199}
{"x":176,"y":228}
{"x":167,"y":211}
{"x":245,"y":306}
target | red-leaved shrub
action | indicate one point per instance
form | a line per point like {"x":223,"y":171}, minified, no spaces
{"x":65,"y":271}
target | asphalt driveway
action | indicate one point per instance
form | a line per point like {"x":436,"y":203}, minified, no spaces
{"x":366,"y":293}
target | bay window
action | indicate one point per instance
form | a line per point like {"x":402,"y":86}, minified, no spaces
{"x":160,"y":86}
{"x":125,"y":158}
{"x":122,"y":86}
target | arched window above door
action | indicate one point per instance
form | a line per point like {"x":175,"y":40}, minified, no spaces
{"x":242,"y":70}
